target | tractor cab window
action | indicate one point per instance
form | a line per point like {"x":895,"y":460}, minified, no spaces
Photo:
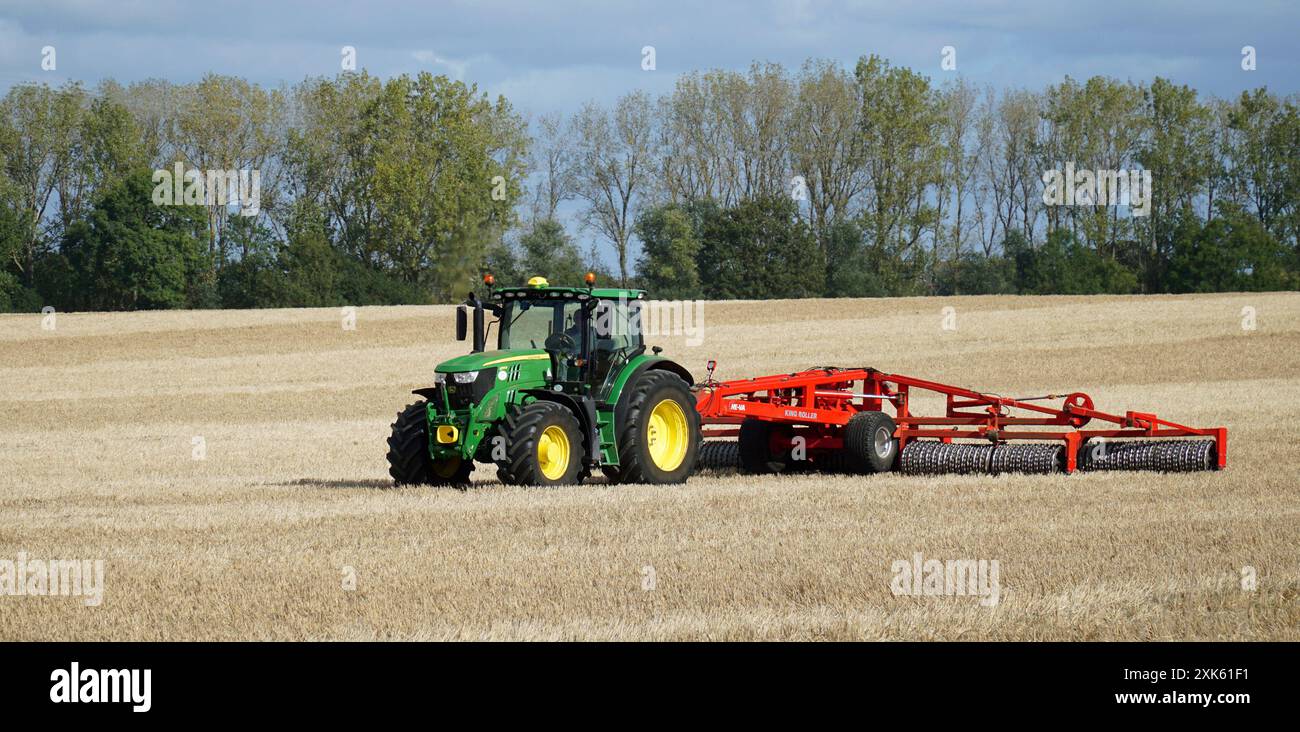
{"x":555,"y":325}
{"x":616,"y":325}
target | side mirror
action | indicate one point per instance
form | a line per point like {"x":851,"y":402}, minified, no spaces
{"x":462,"y":323}
{"x":480,"y":333}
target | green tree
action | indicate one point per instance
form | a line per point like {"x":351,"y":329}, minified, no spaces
{"x":311,"y":264}
{"x":1180,"y":155}
{"x":441,"y":184}
{"x":612,"y":167}
{"x":853,"y":266}
{"x":825,"y":147}
{"x":1257,"y":152}
{"x":899,"y":125}
{"x":130,"y":254}
{"x":547,"y":251}
{"x":669,"y":248}
{"x":761,"y":248}
{"x":1063,"y":265}
{"x":1097,"y":126}
{"x":14,"y":296}
{"x":255,"y":279}
{"x":226,"y":123}
{"x":40,"y":133}
{"x":973,"y":273}
{"x":1234,"y":252}
{"x":417,"y":177}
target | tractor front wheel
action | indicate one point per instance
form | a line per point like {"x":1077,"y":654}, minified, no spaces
{"x":659,"y":440}
{"x":409,"y":461}
{"x":544,"y":446}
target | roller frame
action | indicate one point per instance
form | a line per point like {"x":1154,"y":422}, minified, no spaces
{"x":818,"y":402}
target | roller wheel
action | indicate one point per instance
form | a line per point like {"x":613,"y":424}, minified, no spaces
{"x":931,"y":457}
{"x":1027,"y":458}
{"x":720,"y":455}
{"x":1164,"y":456}
{"x":834,"y":461}
{"x":755,"y":448}
{"x":870,"y":443}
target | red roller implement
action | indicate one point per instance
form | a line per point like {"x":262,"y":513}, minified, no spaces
{"x":817,"y":403}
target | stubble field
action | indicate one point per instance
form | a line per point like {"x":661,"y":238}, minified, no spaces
{"x":104,"y":415}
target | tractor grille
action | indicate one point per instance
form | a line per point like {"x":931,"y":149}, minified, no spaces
{"x":462,"y":396}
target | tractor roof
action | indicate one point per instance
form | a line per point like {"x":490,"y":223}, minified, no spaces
{"x":546,"y":291}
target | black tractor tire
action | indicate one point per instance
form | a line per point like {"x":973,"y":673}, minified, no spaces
{"x":869,"y":442}
{"x":409,"y":461}
{"x":522,"y":429}
{"x":635,"y":463}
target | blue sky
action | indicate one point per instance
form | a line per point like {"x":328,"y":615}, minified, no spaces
{"x":552,"y":56}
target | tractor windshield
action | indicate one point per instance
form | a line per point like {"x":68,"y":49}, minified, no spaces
{"x":530,"y":323}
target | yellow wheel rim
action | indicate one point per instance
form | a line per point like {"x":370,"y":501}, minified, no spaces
{"x":668,"y":435}
{"x":553,"y":452}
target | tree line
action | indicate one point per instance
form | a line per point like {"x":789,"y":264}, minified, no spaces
{"x":772,"y":182}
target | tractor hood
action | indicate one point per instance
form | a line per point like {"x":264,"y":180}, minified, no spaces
{"x":486,"y":359}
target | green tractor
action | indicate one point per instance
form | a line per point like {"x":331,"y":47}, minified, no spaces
{"x":568,"y":390}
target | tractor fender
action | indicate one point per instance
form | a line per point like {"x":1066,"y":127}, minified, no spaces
{"x":673,"y":366}
{"x":428,"y":392}
{"x":584,"y":408}
{"x":648,"y":363}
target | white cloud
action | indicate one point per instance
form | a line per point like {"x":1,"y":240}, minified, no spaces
{"x":554,"y":56}
{"x":429,"y":58}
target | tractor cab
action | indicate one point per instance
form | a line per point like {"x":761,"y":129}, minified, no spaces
{"x":587,"y":333}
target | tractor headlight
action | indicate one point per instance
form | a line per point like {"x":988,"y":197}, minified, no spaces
{"x":439,"y":378}
{"x":465,"y":377}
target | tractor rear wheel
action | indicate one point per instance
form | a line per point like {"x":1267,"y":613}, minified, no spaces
{"x":659,"y":440}
{"x":869,"y":442}
{"x":409,"y":461}
{"x":544,"y":446}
